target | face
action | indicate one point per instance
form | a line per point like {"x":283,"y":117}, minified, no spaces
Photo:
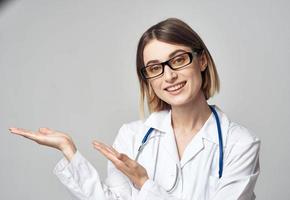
{"x":175,"y":87}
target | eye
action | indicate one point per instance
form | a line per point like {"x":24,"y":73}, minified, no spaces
{"x":179,"y":60}
{"x":154,"y":68}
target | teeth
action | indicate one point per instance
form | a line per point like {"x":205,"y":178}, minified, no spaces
{"x":176,"y":87}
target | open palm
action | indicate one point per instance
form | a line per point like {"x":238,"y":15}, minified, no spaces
{"x":45,"y":136}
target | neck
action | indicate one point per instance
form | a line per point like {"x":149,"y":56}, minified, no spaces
{"x":189,"y":118}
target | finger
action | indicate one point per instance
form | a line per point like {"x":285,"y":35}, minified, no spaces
{"x":103,"y":149}
{"x":110,"y":155}
{"x":114,"y":150}
{"x":45,"y":131}
{"x":25,"y":133}
{"x":119,"y":164}
{"x":48,"y":131}
{"x":128,"y":161}
{"x":98,"y":143}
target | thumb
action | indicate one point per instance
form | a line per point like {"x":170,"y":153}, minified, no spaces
{"x":46,"y":131}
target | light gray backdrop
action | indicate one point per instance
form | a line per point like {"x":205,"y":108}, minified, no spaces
{"x":70,"y":65}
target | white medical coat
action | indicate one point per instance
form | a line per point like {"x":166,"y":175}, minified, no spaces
{"x":197,"y":170}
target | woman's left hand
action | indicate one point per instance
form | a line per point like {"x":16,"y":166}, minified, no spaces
{"x":135,"y":172}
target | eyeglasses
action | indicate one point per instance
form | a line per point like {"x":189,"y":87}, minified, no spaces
{"x":177,"y":62}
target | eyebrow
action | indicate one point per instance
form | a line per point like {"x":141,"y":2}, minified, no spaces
{"x":170,"y":55}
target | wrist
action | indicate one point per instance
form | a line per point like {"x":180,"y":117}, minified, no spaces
{"x":141,"y":182}
{"x":68,"y":150}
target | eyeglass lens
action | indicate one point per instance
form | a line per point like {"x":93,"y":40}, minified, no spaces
{"x":175,"y":63}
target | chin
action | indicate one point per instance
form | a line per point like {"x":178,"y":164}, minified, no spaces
{"x":178,"y":104}
{"x":178,"y":101}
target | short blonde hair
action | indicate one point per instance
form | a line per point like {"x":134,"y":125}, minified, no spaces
{"x":174,"y":31}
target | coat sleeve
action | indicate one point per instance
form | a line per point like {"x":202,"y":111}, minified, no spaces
{"x":241,"y":168}
{"x":83,"y":181}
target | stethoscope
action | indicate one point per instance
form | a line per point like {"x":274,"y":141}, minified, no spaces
{"x":221,"y":152}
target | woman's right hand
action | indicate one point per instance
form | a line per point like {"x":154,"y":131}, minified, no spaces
{"x":50,"y":138}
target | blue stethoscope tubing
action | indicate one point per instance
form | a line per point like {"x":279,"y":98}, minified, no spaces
{"x":221,"y":151}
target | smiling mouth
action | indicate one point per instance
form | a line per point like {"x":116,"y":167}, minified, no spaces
{"x":175,"y":87}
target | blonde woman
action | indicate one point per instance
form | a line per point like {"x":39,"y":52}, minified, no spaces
{"x":185,"y":149}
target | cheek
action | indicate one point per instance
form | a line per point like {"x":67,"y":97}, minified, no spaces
{"x":156,"y":86}
{"x":194,"y":75}
{"x":194,"y":81}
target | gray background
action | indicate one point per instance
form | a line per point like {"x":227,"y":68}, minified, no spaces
{"x":70,"y":65}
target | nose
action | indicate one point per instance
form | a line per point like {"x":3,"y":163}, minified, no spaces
{"x":169,"y":74}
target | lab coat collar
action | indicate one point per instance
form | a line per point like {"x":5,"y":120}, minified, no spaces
{"x":210,"y":131}
{"x":207,"y":132}
{"x":161,"y":121}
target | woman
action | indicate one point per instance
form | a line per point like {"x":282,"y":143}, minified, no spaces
{"x":185,"y":149}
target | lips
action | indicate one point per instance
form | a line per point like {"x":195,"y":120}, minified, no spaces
{"x":175,"y":87}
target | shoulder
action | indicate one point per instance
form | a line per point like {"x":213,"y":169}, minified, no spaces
{"x":140,"y":127}
{"x":235,"y":133}
{"x":242,"y":145}
{"x":239,"y":134}
{"x":132,"y":128}
{"x":128,"y":131}
{"x":130,"y":135}
{"x":136,"y":129}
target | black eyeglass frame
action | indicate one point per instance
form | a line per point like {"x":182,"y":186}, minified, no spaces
{"x":190,"y":54}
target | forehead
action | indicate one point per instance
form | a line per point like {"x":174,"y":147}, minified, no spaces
{"x":158,"y":50}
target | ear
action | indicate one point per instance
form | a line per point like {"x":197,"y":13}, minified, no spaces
{"x":202,"y":61}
